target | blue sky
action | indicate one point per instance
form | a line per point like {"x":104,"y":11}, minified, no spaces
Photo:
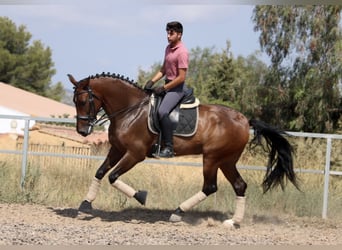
{"x":89,"y":37}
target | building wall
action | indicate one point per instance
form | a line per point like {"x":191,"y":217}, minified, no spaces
{"x":15,"y":126}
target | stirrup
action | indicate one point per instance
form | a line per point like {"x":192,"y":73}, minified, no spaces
{"x":167,"y":152}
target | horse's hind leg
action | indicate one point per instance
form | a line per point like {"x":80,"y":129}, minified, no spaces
{"x":209,"y":187}
{"x":239,"y":186}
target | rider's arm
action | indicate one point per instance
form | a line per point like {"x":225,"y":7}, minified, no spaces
{"x":158,"y":75}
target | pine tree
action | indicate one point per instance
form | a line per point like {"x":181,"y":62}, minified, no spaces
{"x":24,"y":65}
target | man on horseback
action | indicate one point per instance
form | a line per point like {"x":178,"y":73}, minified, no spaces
{"x":174,"y":68}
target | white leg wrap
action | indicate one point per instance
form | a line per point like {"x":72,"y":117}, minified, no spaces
{"x":193,"y":201}
{"x":239,"y":209}
{"x":93,"y":189}
{"x":123,"y":187}
{"x":240,"y":204}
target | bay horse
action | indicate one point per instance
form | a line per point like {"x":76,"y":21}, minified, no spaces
{"x":221,"y":137}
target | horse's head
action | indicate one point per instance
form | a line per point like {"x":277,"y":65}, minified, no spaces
{"x":87,"y":105}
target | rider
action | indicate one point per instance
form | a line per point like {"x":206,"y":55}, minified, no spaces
{"x":174,"y":68}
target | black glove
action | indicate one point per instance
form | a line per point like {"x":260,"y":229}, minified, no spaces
{"x":159,"y":90}
{"x":148,"y":85}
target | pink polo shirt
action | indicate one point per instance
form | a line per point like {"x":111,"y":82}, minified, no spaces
{"x":175,"y":58}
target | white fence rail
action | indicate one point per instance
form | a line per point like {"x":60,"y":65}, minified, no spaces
{"x":24,"y":152}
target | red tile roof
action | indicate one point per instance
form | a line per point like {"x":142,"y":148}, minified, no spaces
{"x":33,"y":104}
{"x":38,"y":106}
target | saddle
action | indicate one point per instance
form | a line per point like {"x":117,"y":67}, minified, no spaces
{"x":184,"y":116}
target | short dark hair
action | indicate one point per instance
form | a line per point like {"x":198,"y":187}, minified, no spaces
{"x":175,"y":26}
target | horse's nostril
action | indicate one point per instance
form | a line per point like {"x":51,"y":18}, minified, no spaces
{"x":82,"y":132}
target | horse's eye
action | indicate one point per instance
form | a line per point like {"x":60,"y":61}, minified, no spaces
{"x":80,"y":100}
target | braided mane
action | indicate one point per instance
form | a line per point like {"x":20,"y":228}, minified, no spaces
{"x":115,"y":76}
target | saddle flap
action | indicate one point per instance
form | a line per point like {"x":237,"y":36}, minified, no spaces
{"x":184,"y":119}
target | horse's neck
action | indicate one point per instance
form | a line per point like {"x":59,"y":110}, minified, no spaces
{"x":118,"y":96}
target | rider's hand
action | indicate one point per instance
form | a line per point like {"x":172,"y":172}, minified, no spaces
{"x":159,"y":90}
{"x":148,"y":85}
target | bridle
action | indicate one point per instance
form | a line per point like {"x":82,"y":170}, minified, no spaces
{"x":91,"y":117}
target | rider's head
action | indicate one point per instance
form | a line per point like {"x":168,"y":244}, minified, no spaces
{"x":174,"y":26}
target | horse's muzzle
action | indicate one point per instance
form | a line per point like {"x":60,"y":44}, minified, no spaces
{"x":86,"y":130}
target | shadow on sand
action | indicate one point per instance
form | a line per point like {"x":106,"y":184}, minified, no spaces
{"x":139,"y":214}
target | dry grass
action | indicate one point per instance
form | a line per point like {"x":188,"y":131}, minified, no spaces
{"x":60,"y":184}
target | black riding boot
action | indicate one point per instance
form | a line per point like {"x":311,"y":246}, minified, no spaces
{"x":167,"y":133}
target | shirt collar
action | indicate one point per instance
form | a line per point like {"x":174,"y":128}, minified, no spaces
{"x":176,"y":47}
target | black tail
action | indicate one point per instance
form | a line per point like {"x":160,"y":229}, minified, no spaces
{"x":280,"y":163}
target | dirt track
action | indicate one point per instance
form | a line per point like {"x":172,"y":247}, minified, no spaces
{"x":40,"y":225}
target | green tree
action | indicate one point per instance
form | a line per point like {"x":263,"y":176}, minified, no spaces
{"x":303,"y":44}
{"x":222,"y":79}
{"x":211,"y":75}
{"x":220,"y":85}
{"x":249,"y":74}
{"x":145,"y":75}
{"x":26,"y":65}
{"x":199,"y":72}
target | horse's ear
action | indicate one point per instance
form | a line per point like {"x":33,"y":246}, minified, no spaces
{"x":72,"y":80}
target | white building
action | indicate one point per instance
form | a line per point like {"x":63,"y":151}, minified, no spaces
{"x":13,"y":126}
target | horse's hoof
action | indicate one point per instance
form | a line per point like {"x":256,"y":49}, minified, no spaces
{"x":177,"y":215}
{"x":141,"y":196}
{"x":85,"y":207}
{"x":175,"y":218}
{"x":231,"y":224}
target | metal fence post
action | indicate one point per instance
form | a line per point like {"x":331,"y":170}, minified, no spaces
{"x":326,"y":179}
{"x":25,"y":150}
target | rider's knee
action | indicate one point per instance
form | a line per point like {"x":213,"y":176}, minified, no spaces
{"x":162,"y":114}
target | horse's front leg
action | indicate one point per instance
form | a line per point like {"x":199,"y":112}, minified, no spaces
{"x":112,"y":158}
{"x":127,"y":162}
